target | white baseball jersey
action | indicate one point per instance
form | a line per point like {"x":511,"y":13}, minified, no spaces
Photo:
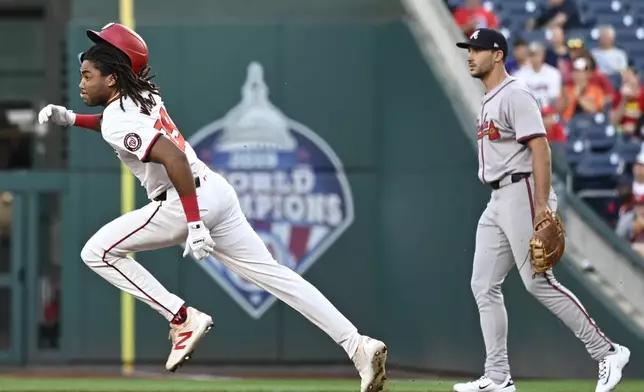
{"x":133,"y":132}
{"x":238,"y":247}
{"x":545,"y":84}
{"x":510,"y":116}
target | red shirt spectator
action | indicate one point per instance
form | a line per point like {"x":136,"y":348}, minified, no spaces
{"x":604,"y":83}
{"x":596,"y":78}
{"x":628,"y":105}
{"x":555,"y":132}
{"x":473,"y":15}
{"x":633,"y":109}
{"x":577,"y":50}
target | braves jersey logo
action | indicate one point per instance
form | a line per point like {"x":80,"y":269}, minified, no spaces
{"x":290,"y":184}
{"x":487,"y":128}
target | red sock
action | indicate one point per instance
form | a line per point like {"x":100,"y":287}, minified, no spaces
{"x":181,"y":316}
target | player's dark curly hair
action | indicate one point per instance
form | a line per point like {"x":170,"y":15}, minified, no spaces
{"x":110,"y":60}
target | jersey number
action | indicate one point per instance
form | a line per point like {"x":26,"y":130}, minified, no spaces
{"x":166,"y":125}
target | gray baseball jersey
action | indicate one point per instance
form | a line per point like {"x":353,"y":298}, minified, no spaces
{"x":510,"y":116}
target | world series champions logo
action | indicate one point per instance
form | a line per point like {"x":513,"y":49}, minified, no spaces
{"x":290,"y":183}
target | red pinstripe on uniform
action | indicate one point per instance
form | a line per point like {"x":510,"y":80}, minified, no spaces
{"x":556,"y":285}
{"x":121,"y":273}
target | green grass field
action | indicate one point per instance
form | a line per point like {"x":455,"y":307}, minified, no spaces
{"x":141,"y":385}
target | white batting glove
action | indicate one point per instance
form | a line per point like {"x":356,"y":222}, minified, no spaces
{"x":199,"y":241}
{"x":59,"y":115}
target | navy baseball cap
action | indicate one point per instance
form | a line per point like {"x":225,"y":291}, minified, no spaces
{"x":486,"y":39}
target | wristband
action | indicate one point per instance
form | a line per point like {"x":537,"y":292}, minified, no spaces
{"x":89,"y":121}
{"x":191,"y":207}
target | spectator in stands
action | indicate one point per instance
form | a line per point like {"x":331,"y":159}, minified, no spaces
{"x":631,"y":187}
{"x":543,"y":79}
{"x":580,"y":96}
{"x":628,"y":105}
{"x":624,"y":197}
{"x":472,"y":15}
{"x":575,"y":49}
{"x":610,"y":59}
{"x":555,"y":132}
{"x":630,"y":225}
{"x":519,"y":56}
{"x":562,"y":13}
{"x":601,"y":80}
{"x":639,"y":128}
{"x":637,"y":188}
{"x":578,"y":50}
{"x":557,"y":54}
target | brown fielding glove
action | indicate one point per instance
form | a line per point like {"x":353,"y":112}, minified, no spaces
{"x":548,"y":241}
{"x":638,"y":225}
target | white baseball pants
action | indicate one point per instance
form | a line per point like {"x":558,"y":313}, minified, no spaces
{"x":163,"y":224}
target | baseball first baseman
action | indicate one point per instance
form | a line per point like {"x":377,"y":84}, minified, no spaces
{"x":514,"y":160}
{"x":188,"y":202}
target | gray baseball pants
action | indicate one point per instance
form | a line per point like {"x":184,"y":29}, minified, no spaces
{"x":502,"y":238}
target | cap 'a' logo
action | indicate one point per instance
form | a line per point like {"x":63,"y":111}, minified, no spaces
{"x":290,"y":183}
{"x":475,"y":35}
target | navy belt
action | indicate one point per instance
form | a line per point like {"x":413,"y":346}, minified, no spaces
{"x":514,"y":177}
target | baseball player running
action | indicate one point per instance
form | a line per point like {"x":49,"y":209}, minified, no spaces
{"x":188,"y":202}
{"x":514,"y":160}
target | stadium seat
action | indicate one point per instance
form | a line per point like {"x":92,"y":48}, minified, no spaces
{"x":584,"y":6}
{"x":627,"y":37}
{"x":636,"y":8}
{"x":582,"y":33}
{"x":536,"y":35}
{"x":600,"y":137}
{"x":512,"y":7}
{"x":582,"y":184}
{"x":603,"y":10}
{"x":638,"y":63}
{"x":600,"y":164}
{"x":628,"y":151}
{"x":637,"y":53}
{"x":612,"y":18}
{"x":598,"y":171}
{"x":606,"y":206}
{"x":629,"y":46}
{"x":580,"y":122}
{"x":575,"y":149}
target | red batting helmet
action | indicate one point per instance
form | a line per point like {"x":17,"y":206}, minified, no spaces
{"x":126,"y":40}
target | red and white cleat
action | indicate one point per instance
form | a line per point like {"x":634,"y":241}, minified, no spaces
{"x":186,"y":336}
